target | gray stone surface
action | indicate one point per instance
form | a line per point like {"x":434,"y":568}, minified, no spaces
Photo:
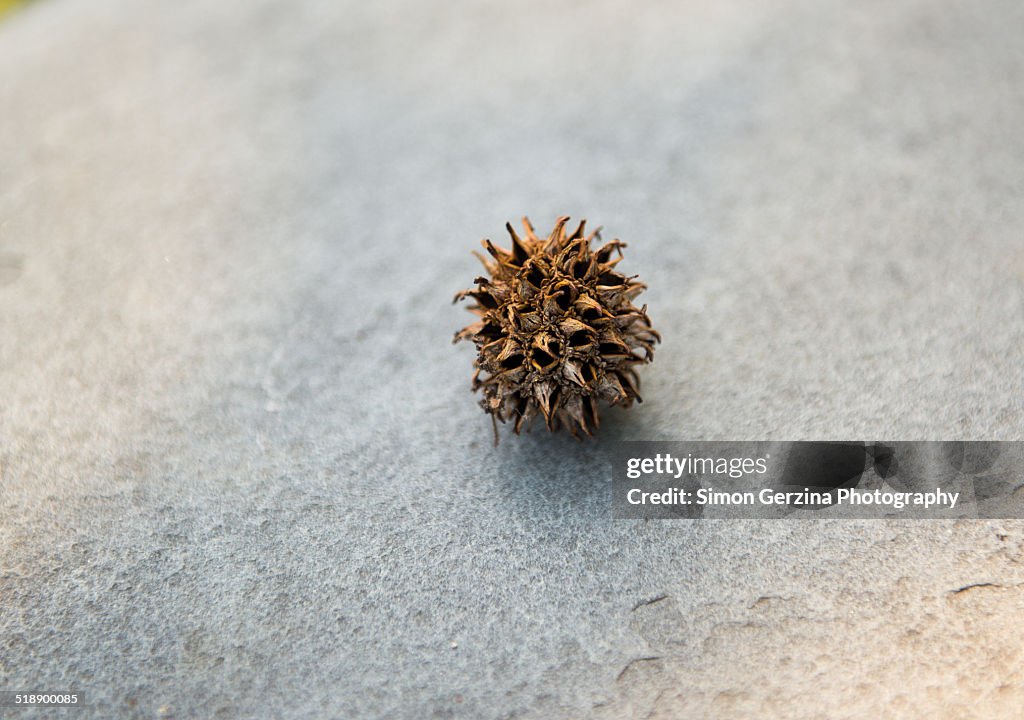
{"x":241,"y":472}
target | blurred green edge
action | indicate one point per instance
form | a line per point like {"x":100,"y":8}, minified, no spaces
{"x":6,"y":6}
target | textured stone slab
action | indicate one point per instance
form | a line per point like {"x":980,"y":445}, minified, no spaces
{"x":241,"y":473}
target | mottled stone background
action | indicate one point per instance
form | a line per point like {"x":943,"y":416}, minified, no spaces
{"x":241,"y":471}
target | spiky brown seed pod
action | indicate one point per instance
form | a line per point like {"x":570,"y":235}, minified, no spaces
{"x":558,"y":331}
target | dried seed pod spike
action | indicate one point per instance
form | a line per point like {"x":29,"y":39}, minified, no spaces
{"x":519,"y":249}
{"x":530,"y":233}
{"x":578,"y":232}
{"x":556,"y":240}
{"x":497,"y":253}
{"x":489,"y":265}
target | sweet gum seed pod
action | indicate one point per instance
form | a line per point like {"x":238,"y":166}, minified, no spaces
{"x":557,"y":332}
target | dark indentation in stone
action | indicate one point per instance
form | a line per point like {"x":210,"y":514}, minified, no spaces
{"x":824,"y":467}
{"x":885,"y":461}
